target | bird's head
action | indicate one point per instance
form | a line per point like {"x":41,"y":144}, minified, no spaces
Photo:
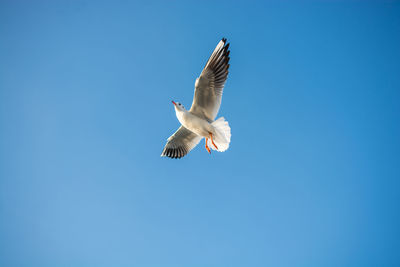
{"x":178,"y":106}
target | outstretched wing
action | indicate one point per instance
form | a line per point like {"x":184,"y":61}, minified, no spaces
{"x":180,"y":143}
{"x":210,"y":85}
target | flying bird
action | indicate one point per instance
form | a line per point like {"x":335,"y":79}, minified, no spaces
{"x":199,"y":121}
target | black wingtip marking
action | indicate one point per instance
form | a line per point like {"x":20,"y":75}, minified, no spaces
{"x":174,"y":153}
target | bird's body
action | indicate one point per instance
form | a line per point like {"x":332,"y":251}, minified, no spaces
{"x":194,"y":123}
{"x":199,"y":122}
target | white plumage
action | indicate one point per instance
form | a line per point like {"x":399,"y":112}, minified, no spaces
{"x":198,"y":122}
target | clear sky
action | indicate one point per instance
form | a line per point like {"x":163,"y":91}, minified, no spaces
{"x":312,"y":174}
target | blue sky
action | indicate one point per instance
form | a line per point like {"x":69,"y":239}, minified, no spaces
{"x":312,"y":174}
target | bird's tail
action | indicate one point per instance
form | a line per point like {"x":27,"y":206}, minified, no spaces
{"x":222,"y":136}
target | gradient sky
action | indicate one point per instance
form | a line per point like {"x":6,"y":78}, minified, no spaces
{"x":312,"y":174}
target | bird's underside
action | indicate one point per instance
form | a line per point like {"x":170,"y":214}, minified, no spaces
{"x":206,"y":103}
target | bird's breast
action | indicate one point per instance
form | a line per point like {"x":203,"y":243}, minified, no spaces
{"x":195,"y":124}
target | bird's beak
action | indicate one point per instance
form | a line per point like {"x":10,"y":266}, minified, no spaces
{"x":173,"y":102}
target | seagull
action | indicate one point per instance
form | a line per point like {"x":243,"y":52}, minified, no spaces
{"x":199,"y":121}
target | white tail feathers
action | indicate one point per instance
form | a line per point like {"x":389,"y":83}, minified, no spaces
{"x":222,"y":136}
